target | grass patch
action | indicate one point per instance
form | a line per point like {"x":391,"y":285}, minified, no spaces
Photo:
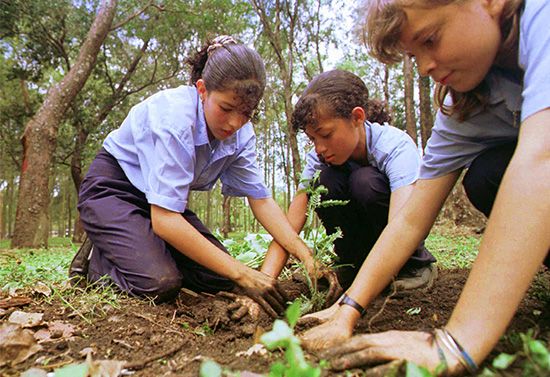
{"x":22,"y":268}
{"x":453,"y":251}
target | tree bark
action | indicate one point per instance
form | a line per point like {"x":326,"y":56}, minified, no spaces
{"x":281,"y":39}
{"x":426,"y":115}
{"x":226,"y":228}
{"x":40,"y":136}
{"x":410,"y":118}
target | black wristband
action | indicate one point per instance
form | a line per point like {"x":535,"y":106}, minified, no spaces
{"x":346,"y":300}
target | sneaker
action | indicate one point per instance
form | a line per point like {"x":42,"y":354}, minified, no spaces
{"x":78,"y":269}
{"x":422,"y":277}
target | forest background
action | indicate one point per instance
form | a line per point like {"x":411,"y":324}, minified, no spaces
{"x":70,"y":70}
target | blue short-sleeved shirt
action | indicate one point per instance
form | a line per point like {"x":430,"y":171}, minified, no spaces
{"x":454,"y":144}
{"x":163,"y":148}
{"x":389,"y":149}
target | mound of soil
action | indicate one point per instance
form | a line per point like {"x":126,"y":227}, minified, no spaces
{"x":172,"y":339}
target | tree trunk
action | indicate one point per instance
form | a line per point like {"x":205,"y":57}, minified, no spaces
{"x":40,"y":136}
{"x":226,"y":228}
{"x":77,"y":177}
{"x":426,"y":115}
{"x":410,"y":119}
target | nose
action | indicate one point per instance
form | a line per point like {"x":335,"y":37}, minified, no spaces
{"x":426,"y":64}
{"x":320,"y":148}
{"x":237,"y":120}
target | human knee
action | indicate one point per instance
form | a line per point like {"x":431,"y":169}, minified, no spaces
{"x":369,"y":186}
{"x":161,"y":288}
{"x":336,"y":182}
{"x":480,"y":188}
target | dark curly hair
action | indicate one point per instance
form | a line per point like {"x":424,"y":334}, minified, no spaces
{"x":231,"y":66}
{"x":334,"y":94}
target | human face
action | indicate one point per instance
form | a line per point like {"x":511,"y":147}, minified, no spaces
{"x":222,"y":111}
{"x":337,"y":140}
{"x":454,"y":44}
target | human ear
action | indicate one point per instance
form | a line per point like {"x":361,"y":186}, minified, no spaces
{"x":358,"y":114}
{"x":494,"y":7}
{"x":201,"y":88}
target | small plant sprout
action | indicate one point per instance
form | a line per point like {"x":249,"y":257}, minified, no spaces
{"x":282,"y":336}
{"x":317,"y":239}
{"x":414,"y":311}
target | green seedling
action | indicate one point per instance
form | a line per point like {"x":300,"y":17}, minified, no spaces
{"x":282,"y":337}
{"x":317,"y":239}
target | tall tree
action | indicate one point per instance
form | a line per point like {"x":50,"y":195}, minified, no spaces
{"x":40,"y":136}
{"x":410,"y":118}
{"x":279,"y":22}
{"x":426,"y":114}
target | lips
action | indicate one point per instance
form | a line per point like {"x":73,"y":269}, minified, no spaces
{"x":444,"y":80}
{"x":328,"y":158}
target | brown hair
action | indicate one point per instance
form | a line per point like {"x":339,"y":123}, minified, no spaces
{"x":230,"y":66}
{"x":331,"y":94}
{"x":385,"y":20}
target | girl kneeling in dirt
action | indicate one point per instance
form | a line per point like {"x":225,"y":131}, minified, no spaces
{"x":370,"y":165}
{"x":133,"y":201}
{"x":491,"y":60}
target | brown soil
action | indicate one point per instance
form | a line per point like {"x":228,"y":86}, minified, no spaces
{"x":171,"y":339}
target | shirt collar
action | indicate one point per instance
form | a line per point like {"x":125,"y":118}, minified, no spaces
{"x":504,"y":87}
{"x":201,"y":132}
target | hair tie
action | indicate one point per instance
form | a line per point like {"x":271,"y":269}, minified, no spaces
{"x":220,"y":41}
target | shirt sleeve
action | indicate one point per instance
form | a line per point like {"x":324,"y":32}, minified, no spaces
{"x":242,"y":177}
{"x":534,"y":57}
{"x":163,"y":134}
{"x":397,"y":156}
{"x":313,"y":164}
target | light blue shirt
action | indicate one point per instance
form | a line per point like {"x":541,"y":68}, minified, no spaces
{"x":389,"y":149}
{"x":163,"y":148}
{"x":454,"y":144}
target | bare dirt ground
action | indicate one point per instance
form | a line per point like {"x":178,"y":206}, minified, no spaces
{"x":172,"y":339}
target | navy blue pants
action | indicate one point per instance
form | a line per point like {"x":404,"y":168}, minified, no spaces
{"x":362,"y":220}
{"x":117,"y":219}
{"x":482,"y":180}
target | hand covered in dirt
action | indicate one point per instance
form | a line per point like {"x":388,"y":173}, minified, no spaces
{"x":317,"y":271}
{"x":418,"y":347}
{"x":241,"y":306}
{"x":330,"y":333}
{"x":263,"y":289}
{"x":317,"y":318}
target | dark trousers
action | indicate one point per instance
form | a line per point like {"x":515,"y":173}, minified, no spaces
{"x":117,"y":219}
{"x":482,"y":180}
{"x":362,"y":220}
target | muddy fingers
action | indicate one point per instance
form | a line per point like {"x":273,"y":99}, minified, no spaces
{"x":366,"y":356}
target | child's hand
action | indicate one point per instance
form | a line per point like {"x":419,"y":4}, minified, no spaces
{"x":317,"y":271}
{"x":263,"y":289}
{"x":241,"y":306}
{"x":416,"y":346}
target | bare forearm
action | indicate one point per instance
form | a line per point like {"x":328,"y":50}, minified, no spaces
{"x":513,"y":248}
{"x":276,"y":223}
{"x":401,"y":237}
{"x":175,"y":230}
{"x":277,"y":256}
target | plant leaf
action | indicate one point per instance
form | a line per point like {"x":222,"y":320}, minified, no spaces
{"x":503,"y":361}
{"x":414,"y":370}
{"x":209,"y":368}
{"x":72,"y":370}
{"x":293,"y":313}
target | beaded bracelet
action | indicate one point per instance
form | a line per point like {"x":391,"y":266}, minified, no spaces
{"x":346,"y":300}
